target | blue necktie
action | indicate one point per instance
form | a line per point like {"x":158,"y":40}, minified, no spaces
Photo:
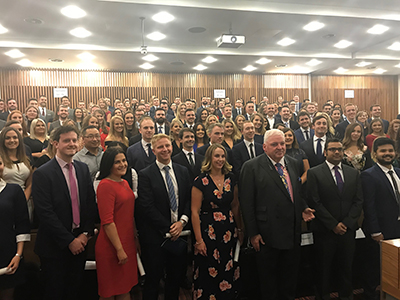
{"x":319,"y":148}
{"x":339,"y":180}
{"x":171,"y":190}
{"x":160,"y":129}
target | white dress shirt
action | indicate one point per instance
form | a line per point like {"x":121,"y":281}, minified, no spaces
{"x":340,"y":169}
{"x":144,"y":145}
{"x":187,"y":155}
{"x":315,"y":139}
{"x":247,"y":144}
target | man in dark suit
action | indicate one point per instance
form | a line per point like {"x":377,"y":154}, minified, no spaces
{"x":187,"y":158}
{"x":272,"y":119}
{"x":66,"y":102}
{"x":304,"y":132}
{"x":238,"y":110}
{"x":285,"y":117}
{"x":65,"y":204}
{"x":163,"y":208}
{"x":140,"y":154}
{"x":380,"y":185}
{"x":315,"y":145}
{"x":220,"y":109}
{"x":62,"y":116}
{"x":45,"y":114}
{"x":246,"y":149}
{"x":296,"y":99}
{"x":190,"y":118}
{"x":156,"y":104}
{"x":334,"y":191}
{"x":376,"y":114}
{"x":2,"y":124}
{"x":161,"y":125}
{"x":249,"y":110}
{"x":11,"y":106}
{"x":216,"y":134}
{"x":204,"y":104}
{"x":227,"y":113}
{"x":350,"y":113}
{"x":272,"y":209}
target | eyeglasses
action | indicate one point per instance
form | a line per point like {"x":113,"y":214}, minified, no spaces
{"x":91,"y":137}
{"x":335,"y":149}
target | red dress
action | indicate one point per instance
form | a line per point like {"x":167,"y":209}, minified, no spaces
{"x":116,"y":202}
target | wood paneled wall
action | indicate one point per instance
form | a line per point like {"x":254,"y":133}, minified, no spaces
{"x":368,"y":90}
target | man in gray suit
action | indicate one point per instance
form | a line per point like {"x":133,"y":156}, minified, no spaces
{"x":45,"y":114}
{"x":62,"y":116}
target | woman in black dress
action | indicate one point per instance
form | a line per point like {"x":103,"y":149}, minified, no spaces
{"x":14,"y":231}
{"x":38,"y":140}
{"x":216,"y":224}
{"x":174,"y":129}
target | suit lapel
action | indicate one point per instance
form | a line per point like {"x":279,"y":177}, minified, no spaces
{"x":267,"y":165}
{"x":62,"y":180}
{"x":329,"y":178}
{"x":386,"y":180}
{"x":245,"y":152}
{"x":159,"y":180}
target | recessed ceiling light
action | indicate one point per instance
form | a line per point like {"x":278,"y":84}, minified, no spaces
{"x":73,"y":12}
{"x":150,"y":57}
{"x":397,"y":66}
{"x":249,"y":68}
{"x":25,"y":62}
{"x":156,"y":36}
{"x":163,"y":17}
{"x":263,"y":61}
{"x":363,"y":64}
{"x":86,"y":56}
{"x":340,"y":70}
{"x":209,"y":59}
{"x":3,"y":29}
{"x":343,"y":44}
{"x":286,"y":42}
{"x":379,"y":71}
{"x":200,"y":67}
{"x":80,"y":32}
{"x":395,"y":46}
{"x":87,"y":65}
{"x":378,"y":29}
{"x":313,"y":26}
{"x":146,"y":66}
{"x":15,"y":53}
{"x":313,"y":62}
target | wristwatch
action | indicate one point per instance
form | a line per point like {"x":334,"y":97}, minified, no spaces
{"x":183,"y":222}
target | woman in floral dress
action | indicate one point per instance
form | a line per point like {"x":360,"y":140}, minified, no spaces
{"x":215,"y":208}
{"x":356,"y":154}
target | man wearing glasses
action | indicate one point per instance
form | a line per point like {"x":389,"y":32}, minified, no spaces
{"x":335,"y":192}
{"x":92,"y":152}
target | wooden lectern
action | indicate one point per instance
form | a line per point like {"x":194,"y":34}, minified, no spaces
{"x":390,"y":274}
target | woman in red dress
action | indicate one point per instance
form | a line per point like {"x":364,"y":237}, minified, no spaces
{"x":116,"y":244}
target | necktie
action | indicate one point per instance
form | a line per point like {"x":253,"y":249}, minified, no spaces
{"x":76,"y":218}
{"x":251,"y":150}
{"x":171,"y":190}
{"x":396,"y":188}
{"x":285,"y":179}
{"x":319,"y":148}
{"x":43,"y":112}
{"x":160,"y":129}
{"x":239,"y":111}
{"x":307,"y":136}
{"x":149,"y":150}
{"x":339,"y":179}
{"x":191,"y":162}
{"x":287,"y":124}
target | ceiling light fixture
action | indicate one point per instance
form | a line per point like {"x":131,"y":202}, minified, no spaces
{"x":150,"y":57}
{"x":378,"y":29}
{"x":314,"y":62}
{"x":200,"y":67}
{"x":156,"y":36}
{"x":25,"y":63}
{"x":397,"y":66}
{"x":249,"y":68}
{"x":395,"y":46}
{"x":15,"y":53}
{"x":313,"y":26}
{"x":163,"y":17}
{"x":146,"y":66}
{"x":379,"y":71}
{"x":86,"y":56}
{"x":3,"y":29}
{"x":263,"y":61}
{"x":80,"y":32}
{"x":209,"y":60}
{"x":286,"y":42}
{"x":73,"y":12}
{"x":340,"y":70}
{"x":343,"y":44}
{"x":363,"y":64}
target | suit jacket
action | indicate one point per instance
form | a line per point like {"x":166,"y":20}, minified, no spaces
{"x":385,"y":124}
{"x":53,"y":207}
{"x":2,"y":124}
{"x":203,"y":149}
{"x":241,"y":155}
{"x":4,"y":115}
{"x":300,"y":136}
{"x":340,"y":129}
{"x":266,"y":205}
{"x":293,"y":125}
{"x":134,"y":139}
{"x":48,"y":118}
{"x":182,"y":160}
{"x":54,"y":125}
{"x":137,"y":157}
{"x":380,"y":206}
{"x":332,"y":206}
{"x":153,"y":216}
{"x":166,"y":127}
{"x":277,"y":120}
{"x":308,"y":148}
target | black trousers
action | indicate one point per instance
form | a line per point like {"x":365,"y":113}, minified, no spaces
{"x":278,"y":271}
{"x":371,"y":268}
{"x":156,"y":260}
{"x":62,"y":276}
{"x":334,"y":252}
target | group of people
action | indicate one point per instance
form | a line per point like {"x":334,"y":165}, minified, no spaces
{"x":159,"y":175}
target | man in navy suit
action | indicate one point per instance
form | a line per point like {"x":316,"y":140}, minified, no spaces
{"x":11,"y":105}
{"x":298,"y":103}
{"x":376,"y":114}
{"x":350,"y":113}
{"x":272,"y":119}
{"x":381,"y":185}
{"x":304,"y":132}
{"x":140,"y":154}
{"x":285,"y":116}
{"x":249,"y":110}
{"x":160,"y":122}
{"x":216,"y":134}
{"x":314,"y":147}
{"x":65,"y":204}
{"x":156,"y":103}
{"x":204,"y":104}
{"x":163,"y":208}
{"x":246,"y":149}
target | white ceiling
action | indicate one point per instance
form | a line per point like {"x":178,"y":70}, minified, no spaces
{"x":116,"y":34}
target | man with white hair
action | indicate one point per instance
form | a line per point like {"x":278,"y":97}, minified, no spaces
{"x":272,"y":209}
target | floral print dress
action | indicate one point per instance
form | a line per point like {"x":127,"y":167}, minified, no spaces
{"x":216,"y":275}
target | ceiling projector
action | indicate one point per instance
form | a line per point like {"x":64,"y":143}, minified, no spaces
{"x":230,"y":41}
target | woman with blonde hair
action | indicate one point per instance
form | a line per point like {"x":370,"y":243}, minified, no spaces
{"x":174,"y":129}
{"x":232,"y":135}
{"x":180,"y":113}
{"x":38,"y":139}
{"x":259,"y":127}
{"x":211,"y":119}
{"x":117,"y":131}
{"x":18,"y":116}
{"x":239,"y":122}
{"x":393,"y":129}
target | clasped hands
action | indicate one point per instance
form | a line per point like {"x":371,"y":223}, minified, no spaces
{"x":78,"y":245}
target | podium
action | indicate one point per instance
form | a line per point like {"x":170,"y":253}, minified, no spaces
{"x":390,"y":271}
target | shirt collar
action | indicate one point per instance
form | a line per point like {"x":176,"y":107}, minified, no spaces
{"x":384,"y":169}
{"x":331,"y":166}
{"x":161,"y":165}
{"x":186,"y":152}
{"x":87,"y":152}
{"x":302,"y":129}
{"x":247,"y":143}
{"x":322,"y":138}
{"x":282,"y":161}
{"x":61,"y":162}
